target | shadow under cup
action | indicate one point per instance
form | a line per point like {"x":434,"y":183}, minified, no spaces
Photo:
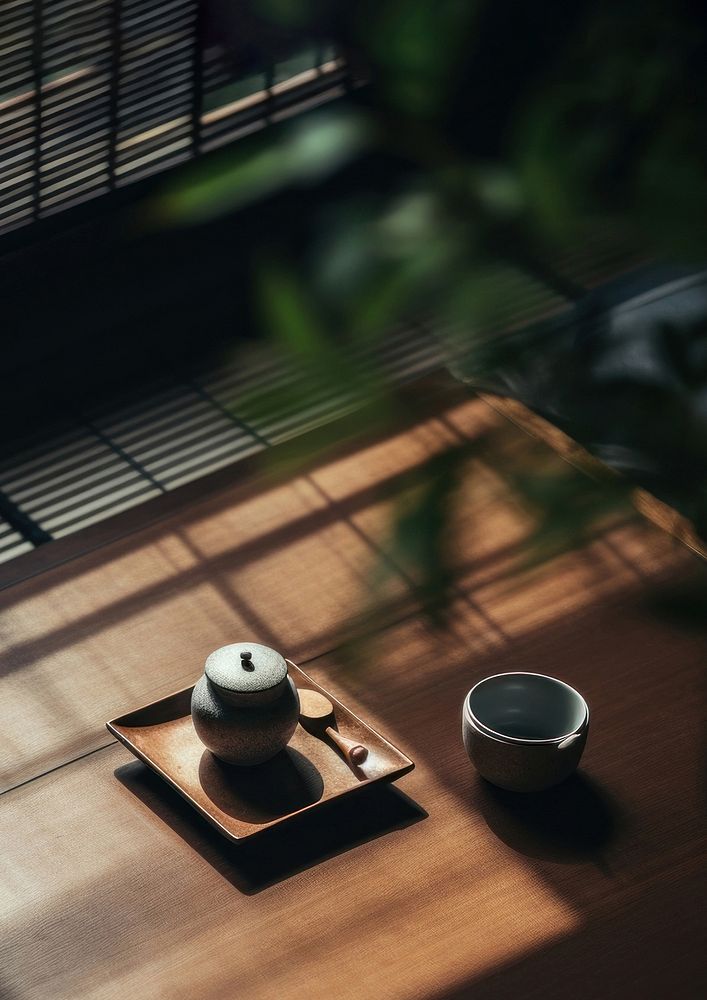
{"x":523,"y":731}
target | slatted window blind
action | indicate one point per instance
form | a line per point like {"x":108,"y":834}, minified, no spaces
{"x":104,"y":460}
{"x":127,"y":450}
{"x":96,"y":94}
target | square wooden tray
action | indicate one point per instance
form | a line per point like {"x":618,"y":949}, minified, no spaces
{"x":241,"y":802}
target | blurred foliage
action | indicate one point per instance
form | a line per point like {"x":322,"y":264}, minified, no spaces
{"x":517,"y":134}
{"x":248,"y":174}
{"x":421,"y":545}
{"x":618,"y":129}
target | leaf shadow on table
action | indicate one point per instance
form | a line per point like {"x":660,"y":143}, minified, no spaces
{"x":575,"y":821}
{"x":278,"y":852}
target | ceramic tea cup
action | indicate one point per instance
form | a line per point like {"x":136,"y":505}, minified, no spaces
{"x":524,"y":732}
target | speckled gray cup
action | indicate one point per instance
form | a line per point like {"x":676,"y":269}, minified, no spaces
{"x":524,"y":732}
{"x":245,"y":706}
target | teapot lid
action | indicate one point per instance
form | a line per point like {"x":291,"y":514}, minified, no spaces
{"x":245,"y":668}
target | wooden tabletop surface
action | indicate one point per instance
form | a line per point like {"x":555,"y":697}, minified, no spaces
{"x":439,"y":886}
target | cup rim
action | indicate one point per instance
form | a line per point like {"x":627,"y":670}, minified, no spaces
{"x":503,"y":737}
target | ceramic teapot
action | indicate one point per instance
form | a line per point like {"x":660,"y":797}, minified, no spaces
{"x":245,"y":706}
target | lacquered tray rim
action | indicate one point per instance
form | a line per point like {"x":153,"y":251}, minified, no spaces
{"x":390,"y":776}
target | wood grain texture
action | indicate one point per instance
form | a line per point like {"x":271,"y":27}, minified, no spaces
{"x":445,"y":888}
{"x":142,"y":613}
{"x":115,"y":887}
{"x":290,"y":564}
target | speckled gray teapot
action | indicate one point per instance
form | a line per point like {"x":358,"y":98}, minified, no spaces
{"x":245,"y":706}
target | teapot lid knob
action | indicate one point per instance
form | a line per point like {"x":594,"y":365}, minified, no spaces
{"x":245,"y":668}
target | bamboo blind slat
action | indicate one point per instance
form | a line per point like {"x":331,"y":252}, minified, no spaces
{"x":96,"y":94}
{"x":127,"y":449}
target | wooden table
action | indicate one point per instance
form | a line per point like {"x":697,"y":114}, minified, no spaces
{"x":439,"y":887}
